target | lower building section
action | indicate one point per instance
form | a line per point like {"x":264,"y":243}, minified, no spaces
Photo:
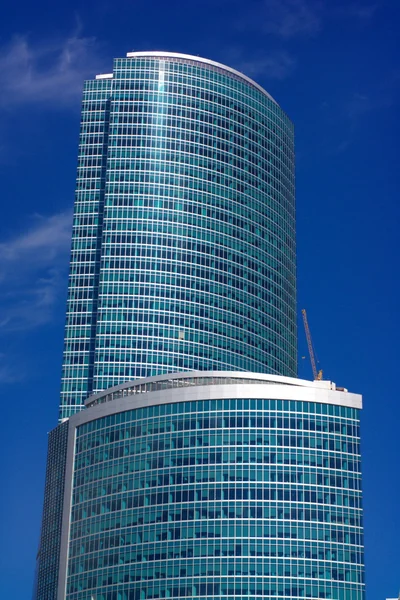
{"x":48,"y":557}
{"x":214,"y":485}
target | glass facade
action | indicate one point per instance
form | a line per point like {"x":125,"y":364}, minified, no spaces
{"x":232,"y":480}
{"x":220,"y":498}
{"x":48,"y":559}
{"x":183,"y":250}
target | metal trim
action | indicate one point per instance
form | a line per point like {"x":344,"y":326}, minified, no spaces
{"x":205,"y":61}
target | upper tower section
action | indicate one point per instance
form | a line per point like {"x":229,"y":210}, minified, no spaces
{"x":183,"y":254}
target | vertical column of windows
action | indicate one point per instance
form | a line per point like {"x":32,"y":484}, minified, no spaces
{"x":50,"y":535}
{"x":81,"y":319}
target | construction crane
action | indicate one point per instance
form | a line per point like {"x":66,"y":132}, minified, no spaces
{"x":317,"y":374}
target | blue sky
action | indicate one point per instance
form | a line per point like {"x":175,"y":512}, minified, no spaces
{"x":334,"y":67}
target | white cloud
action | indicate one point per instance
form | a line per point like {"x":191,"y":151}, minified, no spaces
{"x":33,"y":268}
{"x":42,"y":242}
{"x":49,"y":71}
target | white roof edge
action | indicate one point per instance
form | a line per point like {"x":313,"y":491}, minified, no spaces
{"x":104,"y":76}
{"x":277,"y":379}
{"x":206,"y":61}
{"x":217,"y":392}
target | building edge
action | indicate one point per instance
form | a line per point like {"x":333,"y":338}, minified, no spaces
{"x":191,"y":57}
{"x":48,"y":555}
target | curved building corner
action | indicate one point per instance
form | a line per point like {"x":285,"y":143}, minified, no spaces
{"x":183,"y":249}
{"x":214,"y":484}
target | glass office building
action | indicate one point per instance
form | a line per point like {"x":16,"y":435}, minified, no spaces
{"x":214,"y":485}
{"x":190,"y":462}
{"x":183,"y":248}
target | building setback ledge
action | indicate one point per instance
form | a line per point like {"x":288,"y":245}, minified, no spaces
{"x":200,"y":385}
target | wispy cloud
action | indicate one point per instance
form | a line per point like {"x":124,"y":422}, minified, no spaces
{"x":32,"y":272}
{"x":382,"y":96}
{"x":362,"y":12}
{"x":276,"y":65}
{"x":42,"y":242}
{"x":342,"y":146}
{"x":46,"y":71}
{"x":358,"y":105}
{"x":8,"y":373}
{"x":264,"y":65}
{"x":288,"y":18}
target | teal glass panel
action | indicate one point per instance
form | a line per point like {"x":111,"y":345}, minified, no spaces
{"x":183,"y":252}
{"x":218,"y":499}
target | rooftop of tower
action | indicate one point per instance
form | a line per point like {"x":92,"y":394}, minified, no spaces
{"x":196,"y":59}
{"x":325,"y":391}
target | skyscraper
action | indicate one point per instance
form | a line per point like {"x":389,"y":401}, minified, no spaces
{"x":183,"y":247}
{"x":200,"y":467}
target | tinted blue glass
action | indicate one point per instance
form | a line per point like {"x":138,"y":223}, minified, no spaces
{"x":47,"y":572}
{"x":221,"y":498}
{"x":184,"y":233}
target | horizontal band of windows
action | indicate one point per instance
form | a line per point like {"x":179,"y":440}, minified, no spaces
{"x":228,"y":102}
{"x":193,"y":568}
{"x":225,"y":588}
{"x":111,"y":490}
{"x":193,"y":212}
{"x":216,"y":490}
{"x":202,"y":92}
{"x":91,"y":467}
{"x":262,"y":513}
{"x":235,"y":407}
{"x":86,"y":536}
